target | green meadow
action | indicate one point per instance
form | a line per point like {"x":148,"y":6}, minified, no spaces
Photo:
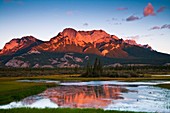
{"x":60,"y":110}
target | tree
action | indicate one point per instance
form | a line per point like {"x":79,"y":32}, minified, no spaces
{"x":94,"y":71}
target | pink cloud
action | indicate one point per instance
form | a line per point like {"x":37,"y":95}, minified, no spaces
{"x":161,"y":9}
{"x":148,"y":10}
{"x":19,"y":2}
{"x":122,"y":8}
{"x":7,"y":1}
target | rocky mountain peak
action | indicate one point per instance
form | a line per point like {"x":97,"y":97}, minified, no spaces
{"x":17,"y":44}
{"x":131,"y":42}
{"x":28,"y":38}
{"x":70,"y":32}
{"x":74,"y":48}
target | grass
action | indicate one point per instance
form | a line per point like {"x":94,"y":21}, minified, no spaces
{"x":15,"y":91}
{"x":59,"y":110}
{"x":167,"y":86}
{"x":76,"y":77}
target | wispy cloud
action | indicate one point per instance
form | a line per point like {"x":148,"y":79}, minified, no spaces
{"x":155,"y":27}
{"x":117,"y":23}
{"x":165,"y":26}
{"x":148,"y":35}
{"x":122,"y":8}
{"x":7,"y":1}
{"x":132,"y":18}
{"x":148,"y":10}
{"x":114,"y":19}
{"x":161,"y":9}
{"x":71,"y":12}
{"x":136,"y":37}
{"x":85,"y":24}
{"x":20,"y":2}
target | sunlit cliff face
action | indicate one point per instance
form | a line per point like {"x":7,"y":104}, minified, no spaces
{"x":83,"y":96}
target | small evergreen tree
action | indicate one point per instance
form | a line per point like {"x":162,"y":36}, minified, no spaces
{"x":94,"y":71}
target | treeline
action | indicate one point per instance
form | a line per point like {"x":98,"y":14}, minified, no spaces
{"x":95,"y":69}
{"x":17,"y":72}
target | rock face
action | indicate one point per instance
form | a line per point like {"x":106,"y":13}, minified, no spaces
{"x":71,"y":48}
{"x":17,"y":63}
{"x":87,"y":42}
{"x":19,"y":44}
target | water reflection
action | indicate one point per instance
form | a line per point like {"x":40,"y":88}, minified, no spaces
{"x":108,"y":95}
{"x":81,"y":96}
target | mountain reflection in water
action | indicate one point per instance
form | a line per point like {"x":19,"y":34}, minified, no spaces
{"x":81,"y":96}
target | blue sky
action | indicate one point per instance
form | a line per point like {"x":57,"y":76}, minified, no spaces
{"x":146,"y":21}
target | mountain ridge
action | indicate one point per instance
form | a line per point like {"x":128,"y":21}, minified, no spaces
{"x":69,"y":43}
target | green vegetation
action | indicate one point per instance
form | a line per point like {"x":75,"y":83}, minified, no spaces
{"x":60,"y":110}
{"x":97,"y":70}
{"x":33,"y":72}
{"x":15,"y":91}
{"x":94,"y":71}
{"x":167,"y":86}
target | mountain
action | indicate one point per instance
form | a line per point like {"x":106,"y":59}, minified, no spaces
{"x":72,"y":48}
{"x":18,"y":47}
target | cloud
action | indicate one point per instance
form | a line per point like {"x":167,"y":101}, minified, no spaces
{"x":7,"y":1}
{"x":136,"y":37}
{"x":161,"y":9}
{"x":132,"y":18}
{"x":72,"y":12}
{"x":148,"y":35}
{"x":85,"y":24}
{"x":165,"y":26}
{"x":69,"y":12}
{"x":122,"y":8}
{"x":155,"y":27}
{"x":148,"y":10}
{"x":114,"y":19}
{"x":117,"y":23}
{"x":20,"y":2}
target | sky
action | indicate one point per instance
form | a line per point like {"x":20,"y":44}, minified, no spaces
{"x":146,"y":21}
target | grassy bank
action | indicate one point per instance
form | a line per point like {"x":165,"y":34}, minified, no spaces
{"x":15,"y":91}
{"x":59,"y":110}
{"x":167,"y":86}
{"x":28,"y":72}
{"x":75,"y":77}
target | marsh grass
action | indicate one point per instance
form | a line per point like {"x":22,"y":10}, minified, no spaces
{"x":166,"y":86}
{"x":15,"y":91}
{"x":59,"y":110}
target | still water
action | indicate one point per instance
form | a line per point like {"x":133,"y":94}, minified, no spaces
{"x":108,"y":95}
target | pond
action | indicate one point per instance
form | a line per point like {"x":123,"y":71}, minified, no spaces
{"x":107,"y":95}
